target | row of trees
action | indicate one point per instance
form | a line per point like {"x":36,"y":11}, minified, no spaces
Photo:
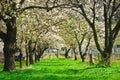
{"x":93,"y":12}
{"x":10,"y":11}
{"x":35,"y":37}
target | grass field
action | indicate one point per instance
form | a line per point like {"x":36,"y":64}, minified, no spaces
{"x":63,"y":69}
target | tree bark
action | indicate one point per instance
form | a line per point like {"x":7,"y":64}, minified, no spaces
{"x":57,"y":52}
{"x":31,"y":58}
{"x":66,"y":52}
{"x":40,"y":53}
{"x":9,"y":64}
{"x":83,"y":57}
{"x":36,"y":57}
{"x":27,"y":55}
{"x":75,"y":55}
{"x":30,"y":52}
{"x":91,"y":58}
{"x":10,"y":44}
{"x":105,"y":59}
{"x":20,"y":58}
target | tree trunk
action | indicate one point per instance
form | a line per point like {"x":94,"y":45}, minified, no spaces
{"x":80,"y":52}
{"x":91,"y":58}
{"x":27,"y":55}
{"x":75,"y":55}
{"x":66,"y":52}
{"x":106,"y":55}
{"x":41,"y":52}
{"x":30,"y":52}
{"x":20,"y":58}
{"x":27,"y":59}
{"x":8,"y":58}
{"x":83,"y":57}
{"x":56,"y":54}
{"x":105,"y":59}
{"x":10,"y":44}
{"x":31,"y":58}
{"x":36,"y":57}
{"x":40,"y":55}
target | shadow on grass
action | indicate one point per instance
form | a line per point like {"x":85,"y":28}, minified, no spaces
{"x":58,"y":70}
{"x":31,"y":74}
{"x":46,"y":74}
{"x":51,"y":64}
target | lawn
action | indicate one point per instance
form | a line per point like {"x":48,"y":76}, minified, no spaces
{"x":63,"y":69}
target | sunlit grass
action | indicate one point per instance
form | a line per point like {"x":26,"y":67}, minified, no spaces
{"x":64,"y":69}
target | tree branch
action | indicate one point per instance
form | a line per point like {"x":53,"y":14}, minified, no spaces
{"x":93,"y":10}
{"x":21,"y":2}
{"x":46,"y":7}
{"x":81,"y":42}
{"x":116,"y":30}
{"x":33,"y":7}
{"x":76,"y":37}
{"x":85,"y":16}
{"x":88,"y":43}
{"x":92,"y":25}
{"x":114,"y":9}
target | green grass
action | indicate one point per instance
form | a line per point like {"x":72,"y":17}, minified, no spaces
{"x":63,"y":69}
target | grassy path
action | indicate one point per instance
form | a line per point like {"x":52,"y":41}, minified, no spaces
{"x":63,"y":69}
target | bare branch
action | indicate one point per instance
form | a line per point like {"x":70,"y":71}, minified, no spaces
{"x":88,"y":43}
{"x":114,"y":9}
{"x":93,"y":10}
{"x":33,"y":7}
{"x":116,"y":30}
{"x":92,"y":25}
{"x":85,"y":16}
{"x":83,"y":37}
{"x":46,"y":7}
{"x":21,"y":2}
{"x":76,"y":10}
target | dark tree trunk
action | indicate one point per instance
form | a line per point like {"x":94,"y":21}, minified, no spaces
{"x":30,"y":52}
{"x":83,"y":57}
{"x":20,"y":58}
{"x":66,"y":52}
{"x":91,"y":58}
{"x":27,"y":55}
{"x":31,"y":59}
{"x":8,"y":58}
{"x":105,"y":58}
{"x":56,"y":54}
{"x":81,"y":54}
{"x":40,"y":53}
{"x":10,"y":44}
{"x":36,"y":57}
{"x":39,"y":56}
{"x":27,"y":59}
{"x":75,"y":55}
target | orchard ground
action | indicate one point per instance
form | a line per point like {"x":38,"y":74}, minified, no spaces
{"x":63,"y":69}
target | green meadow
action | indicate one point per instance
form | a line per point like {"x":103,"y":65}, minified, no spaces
{"x":63,"y":69}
